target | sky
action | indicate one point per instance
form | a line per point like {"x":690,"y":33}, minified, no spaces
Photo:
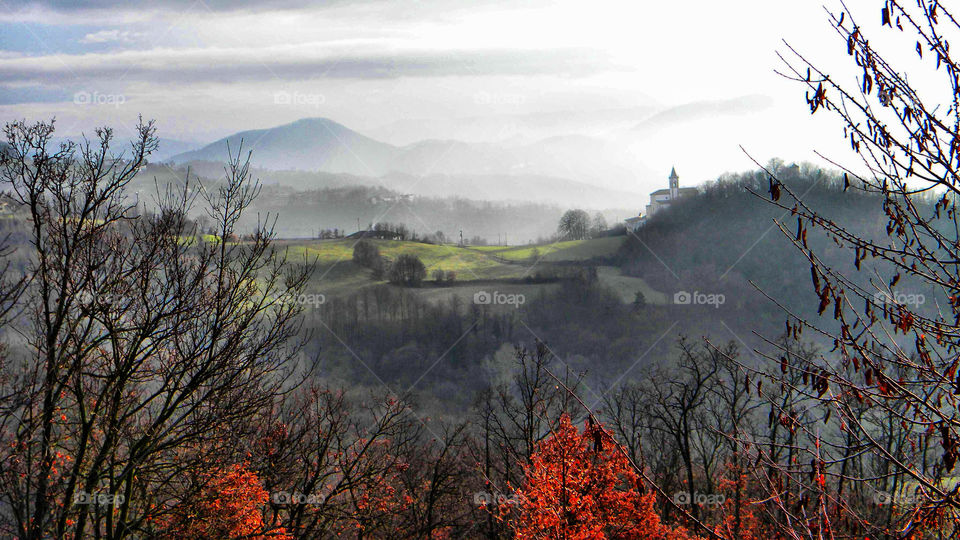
{"x":207,"y":68}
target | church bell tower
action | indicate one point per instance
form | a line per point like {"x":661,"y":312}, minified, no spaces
{"x":674,"y":184}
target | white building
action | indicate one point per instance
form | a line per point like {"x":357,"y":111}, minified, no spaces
{"x":659,"y":200}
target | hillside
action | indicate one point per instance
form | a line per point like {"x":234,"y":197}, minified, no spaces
{"x":337,"y":274}
{"x":310,"y":143}
{"x":723,"y":241}
{"x":529,"y":207}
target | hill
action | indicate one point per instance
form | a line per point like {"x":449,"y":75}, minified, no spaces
{"x":724,"y":241}
{"x":310,"y":143}
{"x":522,"y":208}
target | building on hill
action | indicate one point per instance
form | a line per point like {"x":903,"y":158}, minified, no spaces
{"x":659,"y":200}
{"x":634,"y":223}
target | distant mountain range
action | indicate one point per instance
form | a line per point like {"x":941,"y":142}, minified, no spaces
{"x":321,"y":144}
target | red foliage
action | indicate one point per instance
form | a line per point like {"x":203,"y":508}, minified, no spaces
{"x":580,"y":486}
{"x":740,"y":519}
{"x":228,"y":506}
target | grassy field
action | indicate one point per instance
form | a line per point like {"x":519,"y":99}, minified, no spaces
{"x":570,"y":250}
{"x":478,"y":268}
{"x":470,"y":263}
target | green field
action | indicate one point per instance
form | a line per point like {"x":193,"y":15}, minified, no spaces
{"x":470,"y":263}
{"x":570,"y":250}
{"x":476,"y":267}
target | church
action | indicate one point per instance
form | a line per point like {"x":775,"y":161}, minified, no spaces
{"x":660,"y":199}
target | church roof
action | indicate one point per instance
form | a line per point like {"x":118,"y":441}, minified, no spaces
{"x":673,"y":173}
{"x":666,"y":191}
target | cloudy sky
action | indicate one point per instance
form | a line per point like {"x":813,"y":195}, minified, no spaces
{"x":207,"y":68}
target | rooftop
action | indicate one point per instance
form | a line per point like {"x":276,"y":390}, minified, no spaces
{"x":666,"y":191}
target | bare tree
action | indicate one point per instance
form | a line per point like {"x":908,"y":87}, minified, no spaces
{"x":146,"y":348}
{"x":512,"y":419}
{"x":894,"y":362}
{"x":574,"y":225}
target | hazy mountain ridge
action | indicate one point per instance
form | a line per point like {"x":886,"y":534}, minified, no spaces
{"x":320,"y":144}
{"x":301,"y":214}
{"x":485,"y":206}
{"x":307,"y":144}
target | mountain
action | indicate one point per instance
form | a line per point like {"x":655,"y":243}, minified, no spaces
{"x":320,"y":144}
{"x":307,"y":144}
{"x":452,"y":157}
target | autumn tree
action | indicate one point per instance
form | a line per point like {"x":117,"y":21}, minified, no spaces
{"x":365,"y":468}
{"x":580,"y":485}
{"x":512,"y":418}
{"x":228,"y":503}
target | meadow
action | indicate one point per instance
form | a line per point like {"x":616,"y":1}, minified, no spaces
{"x":515,"y":269}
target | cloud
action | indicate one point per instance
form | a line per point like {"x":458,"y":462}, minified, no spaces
{"x":126,"y":7}
{"x":702,"y":110}
{"x":14,"y":95}
{"x":296,"y":62}
{"x":108,"y":36}
{"x":171,"y":5}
